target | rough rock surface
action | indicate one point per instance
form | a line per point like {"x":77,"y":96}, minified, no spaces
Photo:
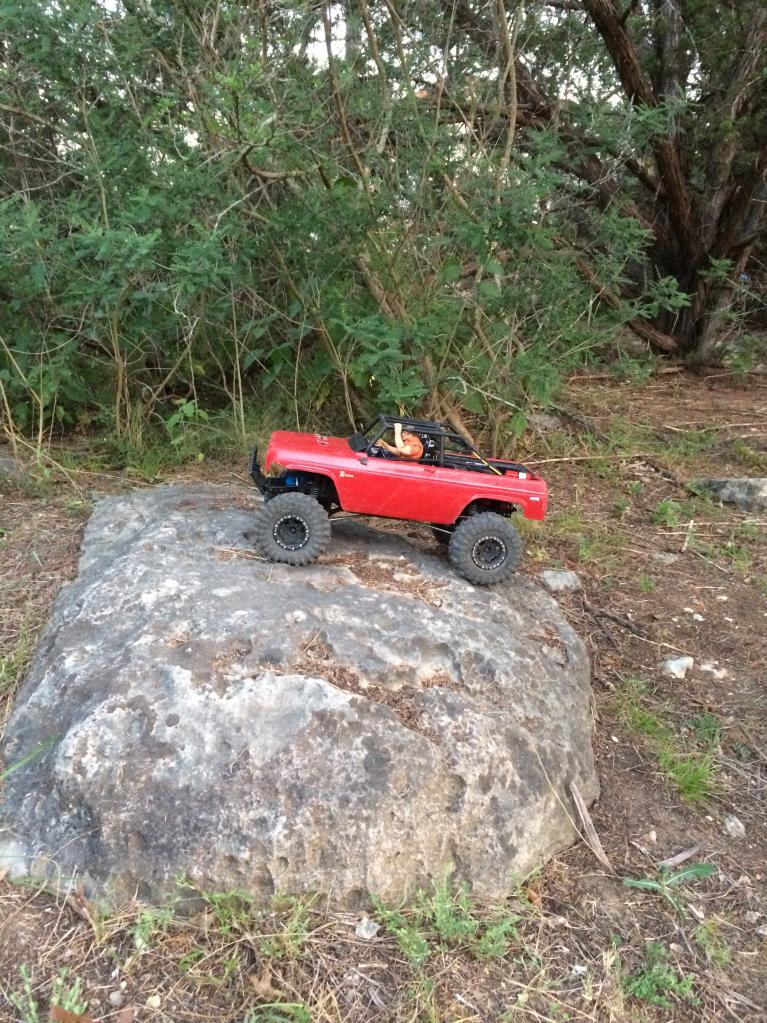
{"x":747,"y":494}
{"x":8,"y":466}
{"x":360,"y":725}
{"x":560,"y":580}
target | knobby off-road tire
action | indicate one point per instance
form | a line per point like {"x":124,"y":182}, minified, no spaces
{"x":293,"y":529}
{"x":485,"y":548}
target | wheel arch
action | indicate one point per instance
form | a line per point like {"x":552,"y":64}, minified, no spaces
{"x":487,"y":504}
{"x":319,"y":485}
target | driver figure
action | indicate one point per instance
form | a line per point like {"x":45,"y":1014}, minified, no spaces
{"x":406,"y":444}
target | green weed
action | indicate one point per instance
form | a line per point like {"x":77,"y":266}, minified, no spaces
{"x":646,"y":583}
{"x":693,"y":774}
{"x":450,"y":912}
{"x":66,"y":994}
{"x":494,"y":943}
{"x":620,"y":507}
{"x":634,"y":712}
{"x":708,"y":939}
{"x":707,"y":729}
{"x":747,"y":455}
{"x":407,"y":933}
{"x":669,"y":885}
{"x":740,"y":558}
{"x":14,"y":664}
{"x":691,"y":443}
{"x":691,"y":770}
{"x":24,"y":1000}
{"x":33,"y":754}
{"x":279,"y":1012}
{"x":189,"y":959}
{"x":749,"y":531}
{"x":667,"y":513}
{"x":289,"y":938}
{"x":149,"y":924}
{"x":423,"y":995}
{"x":448,"y":917}
{"x":232,"y":911}
{"x":657,"y":980}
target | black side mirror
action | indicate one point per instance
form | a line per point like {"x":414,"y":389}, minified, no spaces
{"x":358,"y":442}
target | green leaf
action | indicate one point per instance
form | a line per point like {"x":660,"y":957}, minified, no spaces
{"x":694,"y":870}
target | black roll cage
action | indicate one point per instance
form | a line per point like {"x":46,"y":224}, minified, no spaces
{"x":441,"y":432}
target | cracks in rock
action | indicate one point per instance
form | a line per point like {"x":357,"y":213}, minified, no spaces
{"x":318,"y":659}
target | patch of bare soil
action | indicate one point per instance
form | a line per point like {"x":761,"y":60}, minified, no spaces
{"x":682,"y":764}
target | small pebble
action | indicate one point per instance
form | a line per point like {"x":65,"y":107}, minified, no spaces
{"x":560,"y":580}
{"x":153,"y":1002}
{"x":734,"y":827}
{"x":677,"y":667}
{"x":116,"y":998}
{"x":367,"y":928}
{"x":762,"y":931}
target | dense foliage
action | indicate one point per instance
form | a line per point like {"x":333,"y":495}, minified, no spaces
{"x":435,"y":205}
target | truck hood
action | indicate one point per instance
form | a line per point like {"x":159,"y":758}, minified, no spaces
{"x":285,"y":447}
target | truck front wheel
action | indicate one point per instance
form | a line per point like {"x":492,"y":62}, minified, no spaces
{"x":293,"y":529}
{"x":485,"y":548}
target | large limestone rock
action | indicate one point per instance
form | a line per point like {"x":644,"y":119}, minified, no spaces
{"x":360,"y":725}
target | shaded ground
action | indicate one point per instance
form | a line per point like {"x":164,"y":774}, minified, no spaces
{"x":664,"y":574}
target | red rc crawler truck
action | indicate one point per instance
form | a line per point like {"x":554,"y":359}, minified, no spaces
{"x":466,"y":499}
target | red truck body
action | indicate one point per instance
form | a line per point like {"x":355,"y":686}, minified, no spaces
{"x":421,"y":491}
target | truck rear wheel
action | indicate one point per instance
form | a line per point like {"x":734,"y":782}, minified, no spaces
{"x":485,"y":548}
{"x":293,"y":529}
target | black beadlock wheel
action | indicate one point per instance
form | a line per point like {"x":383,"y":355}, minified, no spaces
{"x":293,"y":529}
{"x":485,"y":548}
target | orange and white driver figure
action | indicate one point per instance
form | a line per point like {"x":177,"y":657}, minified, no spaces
{"x":406,"y":444}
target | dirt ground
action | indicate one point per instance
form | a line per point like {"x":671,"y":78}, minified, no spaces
{"x":682,"y":764}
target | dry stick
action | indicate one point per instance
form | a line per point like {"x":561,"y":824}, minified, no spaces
{"x":643,"y":328}
{"x":590,"y":458}
{"x":508,"y":85}
{"x":341,"y":110}
{"x":688,"y":534}
{"x":10,"y":428}
{"x":681,"y":857}
{"x":376,"y":55}
{"x":588,"y":826}
{"x":573,"y":789}
{"x":624,"y":623}
{"x":583,"y":378}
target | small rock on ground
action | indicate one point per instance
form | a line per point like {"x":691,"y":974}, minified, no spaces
{"x":542,"y":421}
{"x":747,"y":493}
{"x":367,"y":928}
{"x":734,"y":826}
{"x":560,"y":580}
{"x":677,"y":667}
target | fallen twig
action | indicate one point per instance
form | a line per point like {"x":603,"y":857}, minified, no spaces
{"x":680,"y":857}
{"x":594,"y":842}
{"x":624,"y":622}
